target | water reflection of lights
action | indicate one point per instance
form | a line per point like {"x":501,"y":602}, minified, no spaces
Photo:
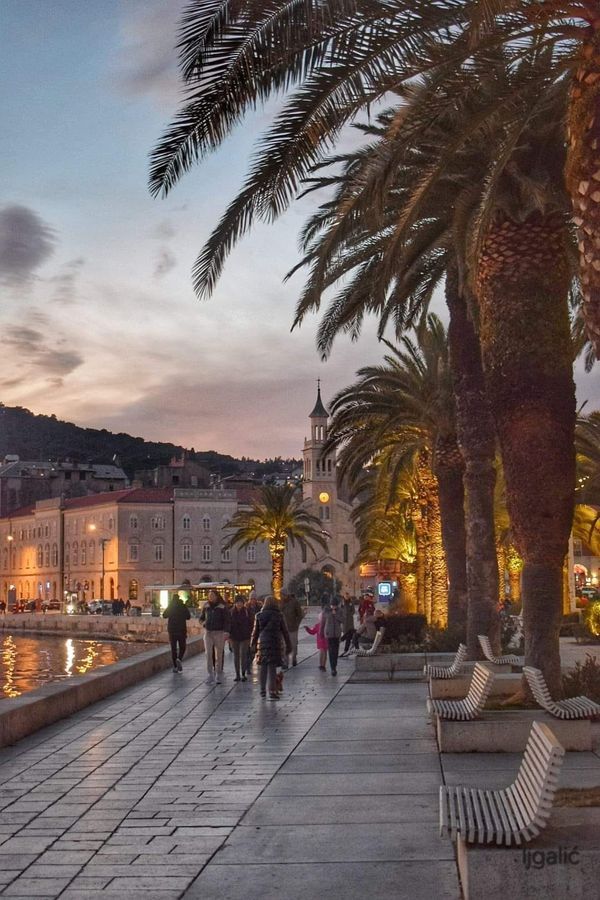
{"x":9,"y":660}
{"x":29,"y":661}
{"x":93,"y":649}
{"x":69,"y":647}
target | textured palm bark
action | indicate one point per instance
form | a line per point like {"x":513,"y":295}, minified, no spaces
{"x":523,"y":289}
{"x":436,"y":576}
{"x":477,"y":442}
{"x":407,"y":581}
{"x":515,"y":567}
{"x":418,"y":524}
{"x":277,"y":557}
{"x":583,"y":175}
{"x":449,"y":469}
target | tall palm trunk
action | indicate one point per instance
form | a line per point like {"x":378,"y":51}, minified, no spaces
{"x":449,"y":468}
{"x":438,"y":615}
{"x":277,"y":551}
{"x":419,"y":525}
{"x":523,"y":288}
{"x":407,"y":581}
{"x":477,"y":442}
{"x":515,"y":567}
{"x":583,"y":175}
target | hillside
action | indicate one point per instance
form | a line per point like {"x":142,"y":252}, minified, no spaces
{"x":46,"y":437}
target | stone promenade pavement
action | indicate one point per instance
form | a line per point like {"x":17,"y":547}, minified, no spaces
{"x":174,"y":789}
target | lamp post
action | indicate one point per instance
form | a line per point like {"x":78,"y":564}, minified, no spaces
{"x":103,"y":542}
{"x":10,"y":538}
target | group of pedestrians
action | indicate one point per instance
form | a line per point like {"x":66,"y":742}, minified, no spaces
{"x":268,"y":632}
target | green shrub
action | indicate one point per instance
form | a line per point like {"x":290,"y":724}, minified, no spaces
{"x":583,"y":679}
{"x":403,"y":629}
{"x":446,"y":640}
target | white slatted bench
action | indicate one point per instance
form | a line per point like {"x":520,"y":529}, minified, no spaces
{"x":374,"y":646}
{"x":511,"y":815}
{"x":451,"y":671}
{"x":574,"y":708}
{"x":508,"y":660}
{"x":469,"y":708}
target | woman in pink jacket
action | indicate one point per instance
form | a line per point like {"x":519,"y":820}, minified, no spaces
{"x":322,"y":642}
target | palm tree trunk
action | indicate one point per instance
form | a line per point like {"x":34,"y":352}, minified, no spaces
{"x":515,"y":567}
{"x":501,"y":558}
{"x":449,"y":470}
{"x":277,"y":558}
{"x":419,"y":526}
{"x":438,"y":615}
{"x":407,"y":580}
{"x":523,"y":288}
{"x":477,"y":442}
{"x":583,"y":175}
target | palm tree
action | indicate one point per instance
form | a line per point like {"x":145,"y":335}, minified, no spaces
{"x":404,"y":410}
{"x":277,"y":517}
{"x":341,"y":56}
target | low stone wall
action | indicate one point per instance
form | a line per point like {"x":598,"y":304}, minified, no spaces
{"x":508,"y":732}
{"x":445,"y":688}
{"x":124,"y":628}
{"x":20,"y":716}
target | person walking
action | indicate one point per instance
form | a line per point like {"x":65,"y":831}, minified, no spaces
{"x":367,"y":606}
{"x":348,"y":630}
{"x":215,"y":617}
{"x":177,"y":615}
{"x":240,"y":632}
{"x":293,"y":615}
{"x":322,"y":643}
{"x":269,"y":629}
{"x":331,"y":626}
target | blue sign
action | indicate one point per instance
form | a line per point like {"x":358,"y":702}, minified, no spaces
{"x":384,"y":590}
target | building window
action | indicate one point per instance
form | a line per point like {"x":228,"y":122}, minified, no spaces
{"x":186,"y":523}
{"x":226,"y":554}
{"x":206,"y":523}
{"x":40,"y":556}
{"x":158,"y":523}
{"x":75,"y":551}
{"x":67,"y":554}
{"x":577,"y":547}
{"x":133,"y":522}
{"x":303,"y":548}
{"x":133,"y":589}
{"x":345,"y":553}
{"x":92,"y":553}
{"x":133,"y":552}
{"x":206,"y":553}
{"x":54,"y":555}
{"x":111,"y":523}
{"x":159,"y":552}
{"x":251,"y":553}
{"x":186,"y":552}
{"x":47,"y":555}
{"x":324,"y":513}
{"x":83,"y":553}
{"x":46,"y":530}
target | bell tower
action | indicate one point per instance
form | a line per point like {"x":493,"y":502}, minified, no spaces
{"x":320,"y":484}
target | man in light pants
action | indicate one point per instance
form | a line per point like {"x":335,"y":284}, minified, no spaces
{"x":215,"y":617}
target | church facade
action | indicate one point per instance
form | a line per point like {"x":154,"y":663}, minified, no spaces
{"x":324,"y":496}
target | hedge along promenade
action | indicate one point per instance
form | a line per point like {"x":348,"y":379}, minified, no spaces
{"x":21,"y":716}
{"x":133,"y":628}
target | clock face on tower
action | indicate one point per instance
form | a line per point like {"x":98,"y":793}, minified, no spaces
{"x":324,"y":497}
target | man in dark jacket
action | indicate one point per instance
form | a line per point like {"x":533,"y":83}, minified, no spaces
{"x":293,"y":615}
{"x":177,"y":615}
{"x":331,"y":628}
{"x":215,"y":618}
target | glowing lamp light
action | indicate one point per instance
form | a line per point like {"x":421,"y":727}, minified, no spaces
{"x":324,"y":497}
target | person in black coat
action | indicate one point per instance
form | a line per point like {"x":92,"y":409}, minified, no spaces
{"x":240,"y":632}
{"x":177,"y":615}
{"x":269,"y":638}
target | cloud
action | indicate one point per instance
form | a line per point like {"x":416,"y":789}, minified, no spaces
{"x":65,"y":283}
{"x":25,"y":243}
{"x":148,"y":58}
{"x":33,"y":349}
{"x":166,"y":261}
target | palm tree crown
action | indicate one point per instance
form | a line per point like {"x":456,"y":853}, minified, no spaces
{"x":276,"y":517}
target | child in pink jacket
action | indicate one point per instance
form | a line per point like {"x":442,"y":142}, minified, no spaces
{"x":322,"y":642}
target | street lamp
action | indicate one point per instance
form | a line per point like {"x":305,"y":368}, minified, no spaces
{"x":103,"y":542}
{"x":10,"y":538}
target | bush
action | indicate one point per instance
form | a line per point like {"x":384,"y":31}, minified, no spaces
{"x":446,"y":640}
{"x":404,"y":629}
{"x":583,"y":679}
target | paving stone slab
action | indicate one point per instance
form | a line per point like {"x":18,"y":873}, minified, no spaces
{"x":369,"y":783}
{"x":353,"y":881}
{"x":361,"y":763}
{"x":366,"y":809}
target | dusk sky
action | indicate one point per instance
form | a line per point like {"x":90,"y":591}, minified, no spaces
{"x":99,"y":323}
